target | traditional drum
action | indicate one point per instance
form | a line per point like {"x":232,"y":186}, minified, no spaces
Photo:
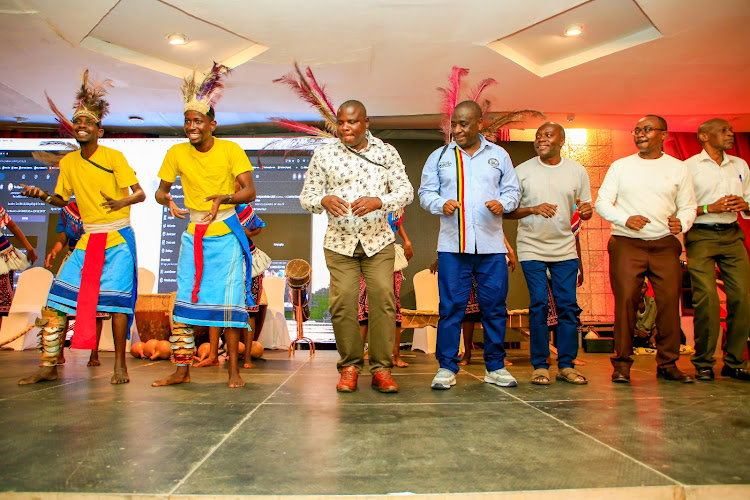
{"x":153,"y":315}
{"x":297,"y":273}
{"x":298,"y":277}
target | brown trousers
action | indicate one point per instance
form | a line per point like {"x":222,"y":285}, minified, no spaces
{"x":630,"y":261}
{"x":344,"y":301}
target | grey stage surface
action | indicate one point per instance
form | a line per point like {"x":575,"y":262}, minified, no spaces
{"x":288,"y":432}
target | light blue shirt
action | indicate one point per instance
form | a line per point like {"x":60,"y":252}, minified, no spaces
{"x":488,"y":175}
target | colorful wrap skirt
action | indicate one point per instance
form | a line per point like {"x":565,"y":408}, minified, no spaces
{"x":118,"y":285}
{"x":6,"y":292}
{"x":256,"y":286}
{"x":363,"y":310}
{"x":223,"y":297}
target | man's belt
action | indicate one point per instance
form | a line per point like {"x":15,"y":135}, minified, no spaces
{"x":716,"y":226}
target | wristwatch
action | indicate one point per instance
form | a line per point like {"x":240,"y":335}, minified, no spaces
{"x":48,"y":198}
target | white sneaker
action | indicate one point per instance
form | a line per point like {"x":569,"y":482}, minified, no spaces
{"x":444,"y":379}
{"x":501,"y":377}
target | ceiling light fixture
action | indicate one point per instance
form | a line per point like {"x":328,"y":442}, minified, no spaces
{"x":135,"y":119}
{"x":177,"y":39}
{"x":574,"y":30}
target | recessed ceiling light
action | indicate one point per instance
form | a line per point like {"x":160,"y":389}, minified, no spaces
{"x":135,"y":119}
{"x":177,"y":39}
{"x":574,"y":30}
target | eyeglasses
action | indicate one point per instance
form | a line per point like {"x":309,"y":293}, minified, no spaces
{"x":645,"y":130}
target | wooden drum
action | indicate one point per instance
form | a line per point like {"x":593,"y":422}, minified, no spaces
{"x":297,"y":273}
{"x":153,"y":315}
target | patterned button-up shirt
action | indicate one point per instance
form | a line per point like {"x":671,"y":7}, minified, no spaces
{"x":335,"y":170}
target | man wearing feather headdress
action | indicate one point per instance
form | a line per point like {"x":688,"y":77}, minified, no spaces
{"x":214,"y":240}
{"x":358,"y":179}
{"x":100,"y":274}
{"x":470,"y":183}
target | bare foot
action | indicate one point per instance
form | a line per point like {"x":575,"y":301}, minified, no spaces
{"x":579,"y":362}
{"x":120,"y":376}
{"x":181,"y":376}
{"x":209,"y":361}
{"x":235,"y":381}
{"x":42,"y":374}
{"x":397,"y":361}
{"x":466,"y":359}
{"x":94,"y":360}
{"x":248,"y":363}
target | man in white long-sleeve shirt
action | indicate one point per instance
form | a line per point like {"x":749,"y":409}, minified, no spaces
{"x":649,"y":199}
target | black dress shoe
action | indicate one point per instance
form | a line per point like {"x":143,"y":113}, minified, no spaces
{"x":619,"y":378}
{"x":671,"y":372}
{"x":738,"y":373}
{"x":704,"y":374}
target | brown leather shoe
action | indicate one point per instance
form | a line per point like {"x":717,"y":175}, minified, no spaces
{"x":348,"y":380}
{"x":383,"y":381}
{"x":620,"y":378}
{"x":671,"y":372}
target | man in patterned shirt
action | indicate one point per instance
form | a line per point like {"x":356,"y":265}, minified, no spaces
{"x":358,"y":180}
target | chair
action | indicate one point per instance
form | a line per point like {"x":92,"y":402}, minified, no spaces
{"x":146,"y":280}
{"x":427,"y":299}
{"x":31,"y":295}
{"x":275,"y":332}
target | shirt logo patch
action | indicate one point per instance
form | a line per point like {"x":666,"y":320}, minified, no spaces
{"x":494,"y":162}
{"x":444,"y":164}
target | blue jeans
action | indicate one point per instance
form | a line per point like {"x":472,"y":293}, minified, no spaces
{"x":564,"y":276}
{"x":454,"y":284}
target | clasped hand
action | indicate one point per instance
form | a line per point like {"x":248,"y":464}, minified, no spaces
{"x":359,"y":207}
{"x":494,"y":206}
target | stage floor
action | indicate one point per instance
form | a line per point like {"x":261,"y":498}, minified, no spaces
{"x":288,"y":432}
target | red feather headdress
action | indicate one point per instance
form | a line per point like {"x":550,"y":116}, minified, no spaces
{"x":450,"y":98}
{"x":307,"y":88}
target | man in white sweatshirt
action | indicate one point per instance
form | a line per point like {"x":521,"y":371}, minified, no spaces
{"x":649,"y":199}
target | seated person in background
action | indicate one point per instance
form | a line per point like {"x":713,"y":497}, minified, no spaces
{"x":645,"y":321}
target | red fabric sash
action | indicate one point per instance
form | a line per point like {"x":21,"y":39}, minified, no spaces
{"x":88,"y":294}
{"x":200,"y":231}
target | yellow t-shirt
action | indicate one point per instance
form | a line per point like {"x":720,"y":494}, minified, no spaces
{"x":79,"y":177}
{"x":205,"y":174}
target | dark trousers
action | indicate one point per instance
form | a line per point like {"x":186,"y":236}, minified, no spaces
{"x":454,"y":284}
{"x":564,"y":275}
{"x":630,"y":261}
{"x":706,"y":249}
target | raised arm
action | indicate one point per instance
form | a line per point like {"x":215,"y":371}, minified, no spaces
{"x":30,"y":253}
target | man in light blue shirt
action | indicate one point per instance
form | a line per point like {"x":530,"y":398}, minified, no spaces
{"x":470,"y":183}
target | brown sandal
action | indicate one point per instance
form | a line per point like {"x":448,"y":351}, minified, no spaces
{"x":571,"y":376}
{"x":540,"y":376}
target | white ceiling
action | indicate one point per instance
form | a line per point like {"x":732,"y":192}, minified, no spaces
{"x":390,"y":54}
